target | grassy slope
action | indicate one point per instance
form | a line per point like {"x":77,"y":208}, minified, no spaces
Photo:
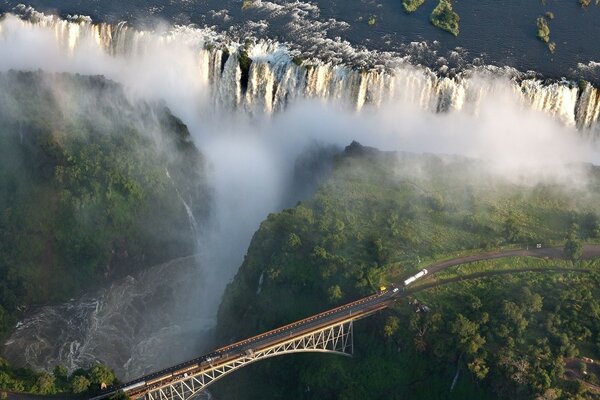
{"x":379,"y":215}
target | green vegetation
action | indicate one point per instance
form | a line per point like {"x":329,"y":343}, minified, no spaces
{"x":245,"y":61}
{"x":573,"y":246}
{"x":298,"y":60}
{"x":372,"y":20}
{"x":119,"y":396}
{"x":381,"y":217}
{"x":444,"y":17}
{"x":411,"y":6}
{"x":543,"y":30}
{"x":80,"y":381}
{"x":91,"y":187}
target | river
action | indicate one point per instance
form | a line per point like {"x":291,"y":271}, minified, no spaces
{"x":254,"y":124}
{"x":492,"y":32}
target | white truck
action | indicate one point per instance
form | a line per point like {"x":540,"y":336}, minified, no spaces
{"x":413,"y":278}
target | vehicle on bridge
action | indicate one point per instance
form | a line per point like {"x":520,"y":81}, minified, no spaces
{"x":413,"y":278}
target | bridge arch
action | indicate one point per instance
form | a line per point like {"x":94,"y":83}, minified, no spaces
{"x":333,"y":339}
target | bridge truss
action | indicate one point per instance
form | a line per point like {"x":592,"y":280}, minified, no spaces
{"x":336,"y":339}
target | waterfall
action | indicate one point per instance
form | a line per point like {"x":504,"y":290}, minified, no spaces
{"x":588,"y":106}
{"x":275,"y":79}
{"x":193,"y":222}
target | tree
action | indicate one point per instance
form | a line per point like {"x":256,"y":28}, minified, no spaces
{"x":436,"y":202}
{"x":294,"y":241}
{"x":543,"y":30}
{"x":412,"y":5}
{"x":61,"y":375}
{"x":6,"y":381}
{"x":573,"y":247}
{"x":120,"y":395}
{"x":479,"y":368}
{"x":335,"y":293}
{"x":101,"y":375}
{"x":514,"y":314}
{"x":45,"y":384}
{"x":467,"y":333}
{"x":392,"y":324}
{"x":80,"y":384}
{"x":60,"y":372}
{"x":444,"y":17}
{"x":512,"y":231}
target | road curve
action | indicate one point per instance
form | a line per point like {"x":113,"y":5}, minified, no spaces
{"x":589,"y":251}
{"x":485,"y":274}
{"x":366,"y":306}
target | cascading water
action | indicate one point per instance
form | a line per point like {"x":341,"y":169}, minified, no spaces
{"x":275,"y":79}
{"x":194,"y":226}
{"x":125,"y":325}
{"x":132,"y":324}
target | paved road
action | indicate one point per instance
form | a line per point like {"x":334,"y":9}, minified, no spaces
{"x":363,"y":307}
{"x":485,"y":274}
{"x":357,"y":309}
{"x":589,"y":251}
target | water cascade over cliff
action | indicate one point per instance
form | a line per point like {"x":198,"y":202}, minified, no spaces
{"x":203,"y":76}
{"x":263,"y":76}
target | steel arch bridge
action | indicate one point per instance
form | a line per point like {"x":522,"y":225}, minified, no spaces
{"x":334,"y":339}
{"x":328,"y":332}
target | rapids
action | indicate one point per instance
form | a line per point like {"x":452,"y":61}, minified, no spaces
{"x":276,"y":77}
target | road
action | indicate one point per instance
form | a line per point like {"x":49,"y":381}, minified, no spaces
{"x":486,"y":274}
{"x":357,"y":309}
{"x":589,"y":251}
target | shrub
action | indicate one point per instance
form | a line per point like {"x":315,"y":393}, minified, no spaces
{"x":543,"y":30}
{"x":80,"y":384}
{"x":444,"y":17}
{"x":412,"y":5}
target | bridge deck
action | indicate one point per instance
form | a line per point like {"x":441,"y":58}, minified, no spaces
{"x":351,"y":311}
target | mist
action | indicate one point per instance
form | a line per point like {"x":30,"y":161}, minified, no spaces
{"x":251,"y":153}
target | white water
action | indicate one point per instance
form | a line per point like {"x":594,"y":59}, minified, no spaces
{"x":275,"y":82}
{"x":194,"y":226}
{"x":126,"y":325}
{"x":251,"y":133}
